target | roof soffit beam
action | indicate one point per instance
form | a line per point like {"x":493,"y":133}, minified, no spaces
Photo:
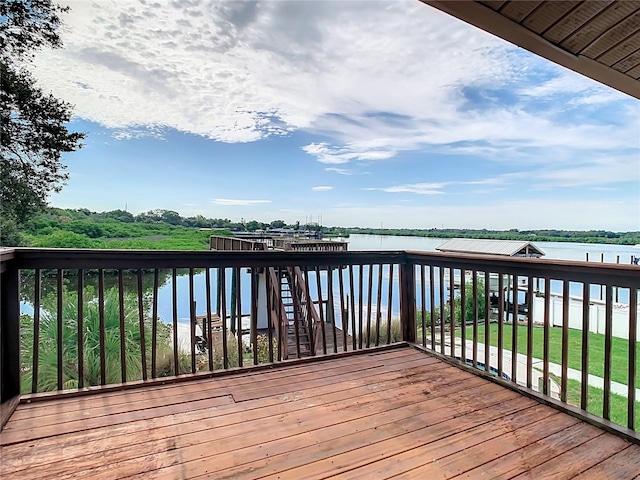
{"x":478,"y":15}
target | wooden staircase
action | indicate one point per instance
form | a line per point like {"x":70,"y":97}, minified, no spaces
{"x":296,"y":321}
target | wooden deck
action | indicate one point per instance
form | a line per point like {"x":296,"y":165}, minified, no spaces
{"x":379,"y":414}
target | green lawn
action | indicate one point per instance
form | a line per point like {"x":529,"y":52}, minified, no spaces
{"x":595,"y":402}
{"x":619,"y":349}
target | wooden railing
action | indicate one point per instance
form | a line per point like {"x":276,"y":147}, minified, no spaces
{"x":296,"y":245}
{"x":95,"y":318}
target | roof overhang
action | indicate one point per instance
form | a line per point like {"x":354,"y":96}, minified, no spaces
{"x":600,"y":40}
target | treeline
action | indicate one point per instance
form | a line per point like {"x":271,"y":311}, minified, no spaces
{"x":157,"y":229}
{"x":168,"y":230}
{"x":118,"y":229}
{"x":588,"y":236}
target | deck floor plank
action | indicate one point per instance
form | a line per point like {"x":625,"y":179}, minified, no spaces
{"x":342,"y":387}
{"x":379,"y":414}
{"x":225,"y":436}
{"x":67,"y":422}
{"x":522,"y":460}
{"x":236,"y":459}
{"x":546,"y":421}
{"x":624,"y":464}
{"x":111,"y":398}
{"x":578,"y":459}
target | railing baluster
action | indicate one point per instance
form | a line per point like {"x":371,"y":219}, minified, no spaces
{"x":101,"y":327}
{"x":254,"y":314}
{"x":565,"y":339}
{"x":441,"y":276}
{"x":321,"y":310}
{"x":432,"y":298}
{"x":514,"y":331}
{"x":354,"y":334}
{"x":60,"y":324}
{"x":584,"y":386}
{"x":36,"y":331}
{"x":192,"y":321}
{"x":222,"y":288}
{"x":633,"y":336}
{"x":123,"y":355}
{"x":309,"y":317}
{"x":369,"y":295}
{"x":268,"y":298}
{"x":360,"y":304}
{"x":378,"y":304}
{"x":238,"y":284}
{"x":463,"y":316}
{"x":529,"y":331}
{"x":207,"y":286}
{"x":501,"y":324}
{"x":80,"y":285}
{"x":608,"y":334}
{"x":452,"y":313}
{"x":487,"y":324}
{"x":545,"y":338}
{"x":423,"y":295}
{"x":331,"y":312}
{"x":154,"y":324}
{"x":474,"y":284}
{"x":389,"y":305}
{"x":296,"y":309}
{"x":143,"y":345}
{"x":174,"y":298}
{"x":344,"y":315}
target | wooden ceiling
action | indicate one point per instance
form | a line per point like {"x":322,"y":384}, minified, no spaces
{"x":599,"y":39}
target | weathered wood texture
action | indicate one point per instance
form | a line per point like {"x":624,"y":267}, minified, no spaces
{"x":377,"y":414}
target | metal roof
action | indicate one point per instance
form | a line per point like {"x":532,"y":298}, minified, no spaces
{"x":509,"y":248}
{"x":598,"y":39}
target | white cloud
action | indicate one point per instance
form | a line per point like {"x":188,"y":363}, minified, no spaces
{"x":237,"y":202}
{"x":322,"y":188}
{"x":417,"y":188}
{"x":240,"y":71}
{"x":370,"y":80}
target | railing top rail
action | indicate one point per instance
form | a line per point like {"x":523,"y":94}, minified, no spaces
{"x":587,"y":272}
{"x":113,"y":259}
{"x":628,"y":275}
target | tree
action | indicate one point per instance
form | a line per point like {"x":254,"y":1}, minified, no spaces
{"x":119,"y":215}
{"x":33,"y":134}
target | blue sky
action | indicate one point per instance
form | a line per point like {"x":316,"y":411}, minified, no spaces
{"x":367,"y":113}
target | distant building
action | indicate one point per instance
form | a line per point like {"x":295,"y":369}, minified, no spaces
{"x":507,"y":248}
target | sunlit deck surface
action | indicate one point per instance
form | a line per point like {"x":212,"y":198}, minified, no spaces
{"x":377,"y":414}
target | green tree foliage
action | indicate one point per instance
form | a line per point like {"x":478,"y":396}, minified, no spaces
{"x":278,"y":224}
{"x":33,"y":134}
{"x":120,"y":216}
{"x":64,"y":239}
{"x":468,"y":303}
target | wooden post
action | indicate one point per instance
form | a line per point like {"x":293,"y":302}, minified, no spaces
{"x":408,"y":301}
{"x":9,"y":341}
{"x":234,"y":293}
